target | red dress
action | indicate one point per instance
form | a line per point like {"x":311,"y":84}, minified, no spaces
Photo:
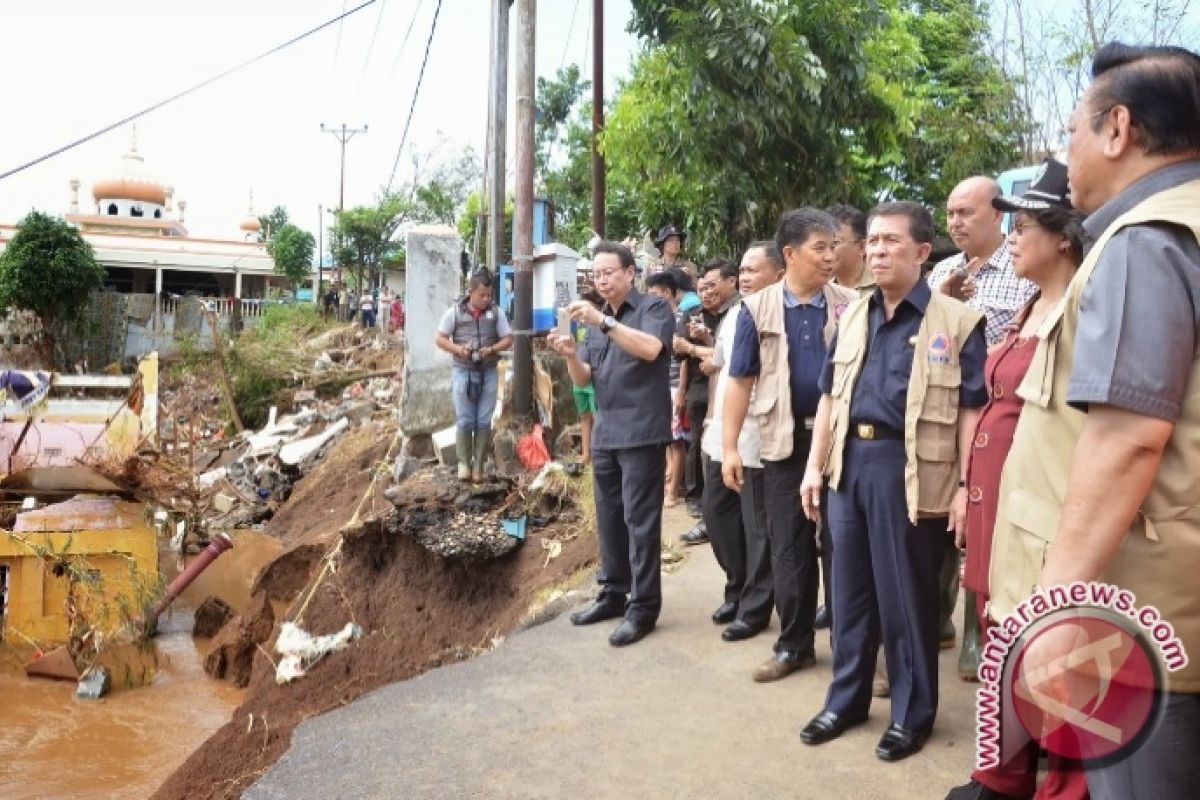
{"x":1004,"y":371}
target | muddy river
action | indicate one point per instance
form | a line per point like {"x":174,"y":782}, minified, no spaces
{"x":126,"y":744}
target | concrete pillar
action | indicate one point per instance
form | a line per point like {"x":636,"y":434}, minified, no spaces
{"x":237,"y":285}
{"x":158,"y":300}
{"x":432,"y":285}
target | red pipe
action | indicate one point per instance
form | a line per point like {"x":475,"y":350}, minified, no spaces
{"x":218,"y":545}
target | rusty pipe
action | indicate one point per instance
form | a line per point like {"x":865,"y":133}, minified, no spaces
{"x":218,"y":545}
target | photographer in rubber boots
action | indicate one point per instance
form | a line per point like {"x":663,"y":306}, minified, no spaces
{"x":474,"y":331}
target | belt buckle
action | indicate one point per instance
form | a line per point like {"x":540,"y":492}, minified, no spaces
{"x":866,"y":431}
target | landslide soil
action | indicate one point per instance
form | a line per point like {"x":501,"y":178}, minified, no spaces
{"x":417,"y":610}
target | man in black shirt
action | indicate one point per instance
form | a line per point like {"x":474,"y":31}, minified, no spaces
{"x":626,"y":356}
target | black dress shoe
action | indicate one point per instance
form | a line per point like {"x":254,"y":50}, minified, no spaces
{"x":827,"y":726}
{"x":598,"y":611}
{"x":974,"y":790}
{"x":823,"y":619}
{"x":898,"y":743}
{"x":740,"y":630}
{"x":726,"y":614}
{"x":697,"y":535}
{"x":629,"y":631}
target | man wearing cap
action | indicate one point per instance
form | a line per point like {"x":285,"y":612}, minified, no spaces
{"x":901,"y":391}
{"x":778,"y":351}
{"x":669,"y":242}
{"x":1111,"y":495}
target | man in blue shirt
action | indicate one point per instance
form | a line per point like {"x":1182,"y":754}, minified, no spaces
{"x":778,"y":352}
{"x":887,"y":547}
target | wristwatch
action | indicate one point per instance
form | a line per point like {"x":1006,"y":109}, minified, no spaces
{"x":607,"y":324}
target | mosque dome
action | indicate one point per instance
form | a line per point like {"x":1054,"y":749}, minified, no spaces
{"x":131,"y":180}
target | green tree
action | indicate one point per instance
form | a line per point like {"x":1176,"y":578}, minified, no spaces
{"x":363,"y":238}
{"x":292,"y":251}
{"x":272,"y":223}
{"x":970,"y":118}
{"x":741,"y":109}
{"x":49,"y":270}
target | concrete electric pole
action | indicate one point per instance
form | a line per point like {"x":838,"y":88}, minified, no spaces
{"x":497,"y":134}
{"x":343,"y":135}
{"x":523,"y":254}
{"x":598,"y":181}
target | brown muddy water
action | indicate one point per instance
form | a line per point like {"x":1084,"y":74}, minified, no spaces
{"x":126,"y":744}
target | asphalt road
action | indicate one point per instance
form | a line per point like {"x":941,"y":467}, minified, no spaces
{"x":555,"y":712}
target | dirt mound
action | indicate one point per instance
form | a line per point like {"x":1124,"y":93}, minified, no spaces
{"x":325,"y":499}
{"x":234,"y":646}
{"x":210,"y":617}
{"x":417,"y":610}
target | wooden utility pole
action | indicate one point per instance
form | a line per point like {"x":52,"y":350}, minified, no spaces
{"x":598,"y":181}
{"x":523,"y":253}
{"x":497,"y":134}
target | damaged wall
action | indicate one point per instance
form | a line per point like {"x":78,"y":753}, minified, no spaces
{"x":432,"y":258}
{"x":100,"y":544}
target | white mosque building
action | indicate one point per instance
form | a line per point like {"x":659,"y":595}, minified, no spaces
{"x":135,"y":224}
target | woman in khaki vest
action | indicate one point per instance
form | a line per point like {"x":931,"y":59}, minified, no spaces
{"x":1046,"y":243}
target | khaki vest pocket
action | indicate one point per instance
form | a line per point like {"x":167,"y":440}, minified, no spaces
{"x":843,"y":368}
{"x":938,"y":482}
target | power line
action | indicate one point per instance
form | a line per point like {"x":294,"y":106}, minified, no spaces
{"x":184,"y":93}
{"x":407,"y":33}
{"x":337,"y":47}
{"x":567,"y":39}
{"x":416,"y":94}
{"x":374,"y":35}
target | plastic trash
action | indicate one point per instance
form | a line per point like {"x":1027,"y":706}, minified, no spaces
{"x":300,"y":649}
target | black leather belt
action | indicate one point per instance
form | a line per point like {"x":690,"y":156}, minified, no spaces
{"x":869,"y":432}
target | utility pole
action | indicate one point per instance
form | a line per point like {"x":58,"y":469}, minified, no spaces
{"x":598,"y":181}
{"x":497,"y":134}
{"x":343,"y":135}
{"x":317,"y":299}
{"x":523,"y":252}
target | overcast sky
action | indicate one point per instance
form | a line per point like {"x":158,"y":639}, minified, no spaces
{"x":73,"y":66}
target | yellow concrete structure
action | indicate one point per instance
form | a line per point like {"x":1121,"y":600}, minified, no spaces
{"x":91,"y":562}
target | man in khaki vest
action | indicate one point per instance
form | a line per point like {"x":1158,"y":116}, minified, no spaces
{"x":779,"y":347}
{"x":1112,"y":494}
{"x":901,"y":392}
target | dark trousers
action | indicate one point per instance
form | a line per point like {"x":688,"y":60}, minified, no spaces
{"x":693,"y":465}
{"x":758,"y":591}
{"x":742,"y":554}
{"x":885,"y":574}
{"x":793,"y":545}
{"x":826,"y":554}
{"x":629,"y":500}
{"x":1165,"y":767}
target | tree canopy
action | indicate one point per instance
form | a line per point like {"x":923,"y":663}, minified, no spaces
{"x":292,"y":251}
{"x":739,"y":109}
{"x":49,"y":270}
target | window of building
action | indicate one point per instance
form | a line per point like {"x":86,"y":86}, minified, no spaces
{"x":112,"y":209}
{"x":135,"y":211}
{"x":158,"y":213}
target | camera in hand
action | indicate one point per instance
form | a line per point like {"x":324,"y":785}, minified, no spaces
{"x":475,"y":356}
